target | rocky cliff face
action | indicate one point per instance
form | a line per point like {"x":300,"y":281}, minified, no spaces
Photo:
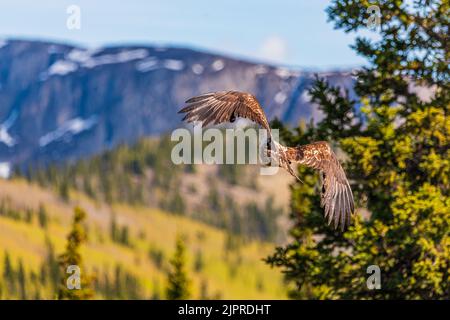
{"x":60,"y":102}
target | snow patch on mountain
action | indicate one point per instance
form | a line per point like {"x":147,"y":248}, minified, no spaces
{"x":5,"y":137}
{"x":285,"y":73}
{"x":5,"y":170}
{"x":218,"y":65}
{"x":55,"y":49}
{"x":152,"y":63}
{"x":174,"y":65}
{"x":280,"y":97}
{"x":261,"y":69}
{"x":146,"y":65}
{"x":81,"y":56}
{"x":3,"y":43}
{"x":306,"y":97}
{"x":121,"y":57}
{"x":86,"y":59}
{"x":197,"y":68}
{"x":62,"y":67}
{"x":72,"y":127}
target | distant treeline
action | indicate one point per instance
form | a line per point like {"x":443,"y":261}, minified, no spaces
{"x":143,"y":174}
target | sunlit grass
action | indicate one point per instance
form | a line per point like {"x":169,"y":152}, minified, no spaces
{"x":250,"y":278}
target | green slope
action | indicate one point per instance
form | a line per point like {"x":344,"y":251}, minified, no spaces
{"x":220,"y":265}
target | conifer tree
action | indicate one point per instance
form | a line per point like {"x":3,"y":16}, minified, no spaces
{"x":9,"y":275}
{"x":397,"y":158}
{"x":72,"y":257}
{"x":42,"y":216}
{"x":114,"y":231}
{"x":199,"y":262}
{"x":118,"y":286}
{"x":63,"y":189}
{"x":155,"y":292}
{"x":21,"y":278}
{"x":204,"y":294}
{"x":51,"y":267}
{"x":178,"y":282}
{"x":125,"y":236}
{"x":7,"y":267}
{"x":107,"y":286}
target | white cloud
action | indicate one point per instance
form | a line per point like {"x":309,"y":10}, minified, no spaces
{"x":274,"y":48}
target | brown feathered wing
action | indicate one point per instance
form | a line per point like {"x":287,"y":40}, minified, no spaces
{"x":336,"y":196}
{"x":224,"y":106}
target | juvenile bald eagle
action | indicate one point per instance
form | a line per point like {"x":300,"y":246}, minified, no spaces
{"x":226,"y":106}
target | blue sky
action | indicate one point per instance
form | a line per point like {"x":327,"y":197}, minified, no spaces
{"x":289,"y":32}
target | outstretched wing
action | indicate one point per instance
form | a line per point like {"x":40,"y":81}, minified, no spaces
{"x":337,"y":196}
{"x":224,"y":106}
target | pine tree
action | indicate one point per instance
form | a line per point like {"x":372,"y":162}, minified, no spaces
{"x":178,"y":282}
{"x":118,"y":285}
{"x":125,"y":236}
{"x":42,"y":216}
{"x":21,"y":280}
{"x":87,"y":186}
{"x":108,"y":292}
{"x":156,"y":256}
{"x":51,"y":267}
{"x":28,"y":215}
{"x":63,"y":189}
{"x":9,"y":275}
{"x":204,"y":294}
{"x":114,"y":232}
{"x":176,"y":203}
{"x":398,"y":160}
{"x":155,"y":292}
{"x":72,"y":257}
{"x":199,"y":262}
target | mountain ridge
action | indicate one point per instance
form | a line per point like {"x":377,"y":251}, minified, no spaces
{"x":64,"y":102}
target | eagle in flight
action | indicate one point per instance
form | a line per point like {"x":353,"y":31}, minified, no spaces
{"x":226,"y":106}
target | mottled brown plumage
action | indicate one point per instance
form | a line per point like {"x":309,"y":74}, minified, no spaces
{"x":336,"y":196}
{"x":226,"y":106}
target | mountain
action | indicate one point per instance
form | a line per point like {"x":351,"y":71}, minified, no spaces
{"x":62,"y":102}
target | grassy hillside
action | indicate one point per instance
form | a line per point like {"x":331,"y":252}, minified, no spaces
{"x":235,"y":198}
{"x":35,"y":221}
